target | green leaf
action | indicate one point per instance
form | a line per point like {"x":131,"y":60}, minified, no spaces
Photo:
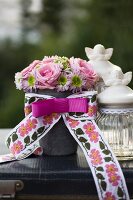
{"x":100,"y":176}
{"x":93,"y":98}
{"x":87,"y":145}
{"x":72,"y":113}
{"x":103,"y":185}
{"x":99,"y":169}
{"x":27,"y":140}
{"x":40,"y":130}
{"x":102,"y":146}
{"x":107,"y":159}
{"x":106,"y":152}
{"x":82,"y":139}
{"x":40,"y":99}
{"x":76,"y":113}
{"x":34,"y":136}
{"x":120,"y":192}
{"x":14,"y":137}
{"x":8,"y":141}
{"x":79,"y":131}
{"x":25,"y":100}
{"x":32,"y":99}
{"x":79,"y":113}
{"x":83,"y":120}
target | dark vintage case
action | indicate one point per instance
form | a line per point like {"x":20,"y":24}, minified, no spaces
{"x":52,"y":177}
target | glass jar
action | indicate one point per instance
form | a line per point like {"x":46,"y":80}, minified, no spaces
{"x":116,"y":123}
{"x":100,"y":86}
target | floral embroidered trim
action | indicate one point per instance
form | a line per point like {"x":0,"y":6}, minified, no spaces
{"x":23,"y":141}
{"x":104,"y":166}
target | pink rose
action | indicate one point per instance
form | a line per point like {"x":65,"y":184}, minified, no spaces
{"x":96,"y":158}
{"x":89,"y":128}
{"x":111,"y":168}
{"x":114,"y":179}
{"x":85,"y":68}
{"x":27,"y":110}
{"x":23,"y":130}
{"x":48,"y":119}
{"x":92,"y":110}
{"x":25,"y":72}
{"x":94,"y":137}
{"x":73,"y":123}
{"x":17,"y":147}
{"x":47,"y":75}
{"x":109,"y":196}
{"x":31,"y":124}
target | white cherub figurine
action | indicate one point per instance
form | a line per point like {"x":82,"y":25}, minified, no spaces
{"x":110,"y":73}
{"x":118,"y":78}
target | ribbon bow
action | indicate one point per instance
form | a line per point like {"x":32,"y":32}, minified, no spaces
{"x":59,"y":105}
{"x":78,"y":112}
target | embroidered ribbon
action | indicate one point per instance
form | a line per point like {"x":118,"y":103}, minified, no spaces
{"x":23,"y":141}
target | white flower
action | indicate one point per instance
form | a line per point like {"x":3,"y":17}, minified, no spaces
{"x":78,"y":82}
{"x":63,"y":83}
{"x":18,"y":80}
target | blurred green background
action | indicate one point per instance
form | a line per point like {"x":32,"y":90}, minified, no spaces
{"x":30,"y":29}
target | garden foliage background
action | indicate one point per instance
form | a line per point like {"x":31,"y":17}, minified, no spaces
{"x":61,"y":27}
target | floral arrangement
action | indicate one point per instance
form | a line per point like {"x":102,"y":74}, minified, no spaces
{"x":59,"y":73}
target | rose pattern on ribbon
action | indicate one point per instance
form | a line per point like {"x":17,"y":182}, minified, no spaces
{"x":28,"y":109}
{"x":25,"y":134}
{"x":23,"y":141}
{"x":99,"y":154}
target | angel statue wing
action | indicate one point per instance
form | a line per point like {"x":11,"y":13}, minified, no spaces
{"x":127,"y":78}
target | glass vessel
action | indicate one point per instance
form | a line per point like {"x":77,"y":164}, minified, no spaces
{"x":116,"y":123}
{"x":100,"y":86}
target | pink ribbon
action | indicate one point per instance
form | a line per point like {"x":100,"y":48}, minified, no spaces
{"x":59,"y":105}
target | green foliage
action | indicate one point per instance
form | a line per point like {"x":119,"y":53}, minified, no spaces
{"x":14,"y":137}
{"x":27,"y":139}
{"x":79,"y":131}
{"x":63,"y":27}
{"x":99,"y":169}
{"x":103,"y":185}
{"x":87,"y":145}
{"x":40,"y":130}
{"x":120,"y":192}
{"x":51,"y":15}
